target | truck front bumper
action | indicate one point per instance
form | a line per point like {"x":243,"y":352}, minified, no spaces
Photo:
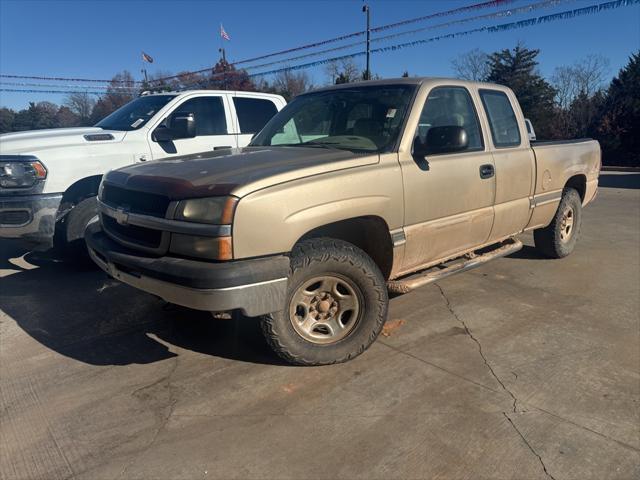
{"x":30,"y":218}
{"x":254,"y":286}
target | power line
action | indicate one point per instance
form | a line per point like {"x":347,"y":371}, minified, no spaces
{"x":48,"y":85}
{"x":63,"y":92}
{"x":565,"y":15}
{"x":64,"y":79}
{"x":477,"y":6}
{"x":501,"y":13}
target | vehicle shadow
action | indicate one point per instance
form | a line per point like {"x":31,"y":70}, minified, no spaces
{"x":528,"y":253}
{"x":81,"y":313}
{"x":617,"y":180}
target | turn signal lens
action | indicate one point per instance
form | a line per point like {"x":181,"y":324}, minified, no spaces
{"x":213,"y":248}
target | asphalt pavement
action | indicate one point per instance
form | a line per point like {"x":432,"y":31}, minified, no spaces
{"x":526,"y":368}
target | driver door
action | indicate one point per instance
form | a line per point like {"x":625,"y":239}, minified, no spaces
{"x":211,"y":115}
{"x":449,"y":196}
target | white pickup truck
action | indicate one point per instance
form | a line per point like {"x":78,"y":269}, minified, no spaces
{"x":49,"y":178}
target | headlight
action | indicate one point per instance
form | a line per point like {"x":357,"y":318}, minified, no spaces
{"x":214,"y":210}
{"x":21,"y":174}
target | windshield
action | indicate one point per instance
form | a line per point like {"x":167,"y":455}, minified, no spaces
{"x":134,"y":114}
{"x":363,"y":118}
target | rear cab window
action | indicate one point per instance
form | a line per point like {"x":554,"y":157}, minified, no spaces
{"x":253,"y":113}
{"x":505,"y":130}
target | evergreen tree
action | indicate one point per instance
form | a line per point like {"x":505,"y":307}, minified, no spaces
{"x":619,"y":129}
{"x":7,"y":118}
{"x":517,"y":70}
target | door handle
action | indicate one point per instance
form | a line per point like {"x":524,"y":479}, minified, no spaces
{"x":487,"y":171}
{"x":222,"y":147}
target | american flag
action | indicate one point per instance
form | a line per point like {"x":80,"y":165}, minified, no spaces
{"x":147,"y":58}
{"x":224,"y":34}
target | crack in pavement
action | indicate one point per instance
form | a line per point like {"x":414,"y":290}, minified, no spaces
{"x":544,"y":467}
{"x":163,"y":423}
{"x":477,"y":342}
{"x":493,"y":373}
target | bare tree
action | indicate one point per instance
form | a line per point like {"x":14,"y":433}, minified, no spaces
{"x":343,"y":71}
{"x":564,"y":84}
{"x":591,"y":73}
{"x":473,"y":65}
{"x":81,"y":104}
{"x":290,"y":84}
{"x":585,"y":77}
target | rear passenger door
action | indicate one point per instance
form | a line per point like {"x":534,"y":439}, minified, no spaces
{"x":211,"y":113}
{"x":250,"y":115}
{"x":448,"y":196}
{"x":514,"y":161}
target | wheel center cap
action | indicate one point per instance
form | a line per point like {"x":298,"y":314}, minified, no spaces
{"x":324,"y":306}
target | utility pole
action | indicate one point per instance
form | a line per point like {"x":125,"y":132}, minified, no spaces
{"x":367,"y":72}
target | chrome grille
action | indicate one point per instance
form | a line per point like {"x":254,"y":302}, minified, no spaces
{"x":137,"y":202}
{"x":132,"y":234}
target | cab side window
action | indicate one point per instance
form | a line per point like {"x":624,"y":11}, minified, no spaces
{"x":209,"y":115}
{"x":502,"y":119}
{"x":253,"y":113}
{"x":451,"y":106}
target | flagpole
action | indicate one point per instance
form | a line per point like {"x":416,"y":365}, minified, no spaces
{"x":144,"y":71}
{"x":224,"y":59}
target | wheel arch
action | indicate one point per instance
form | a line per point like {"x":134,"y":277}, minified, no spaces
{"x":369,"y":233}
{"x":84,"y":188}
{"x":579,"y":183}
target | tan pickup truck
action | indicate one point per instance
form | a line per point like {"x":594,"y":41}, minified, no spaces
{"x":348,"y":193}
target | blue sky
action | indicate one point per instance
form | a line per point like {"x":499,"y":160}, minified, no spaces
{"x":96,"y":39}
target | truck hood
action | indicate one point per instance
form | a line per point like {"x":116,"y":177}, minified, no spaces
{"x":33,"y":141}
{"x":238,"y":172}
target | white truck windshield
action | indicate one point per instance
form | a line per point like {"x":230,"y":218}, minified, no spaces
{"x":134,"y":114}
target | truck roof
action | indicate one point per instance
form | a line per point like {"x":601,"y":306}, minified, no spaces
{"x":209,"y":92}
{"x":410,"y":81}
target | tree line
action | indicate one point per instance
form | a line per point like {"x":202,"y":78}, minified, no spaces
{"x":576,"y":101}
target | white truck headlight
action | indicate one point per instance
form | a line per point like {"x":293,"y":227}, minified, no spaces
{"x":21,"y":173}
{"x":214,"y":210}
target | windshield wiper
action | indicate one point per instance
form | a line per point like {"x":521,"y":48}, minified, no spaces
{"x":309,"y":145}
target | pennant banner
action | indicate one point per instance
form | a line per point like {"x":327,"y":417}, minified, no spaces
{"x":65,"y":92}
{"x":468,"y":8}
{"x":500,"y":14}
{"x":566,"y":15}
{"x":102,"y":87}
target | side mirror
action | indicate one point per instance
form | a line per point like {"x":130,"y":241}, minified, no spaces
{"x":446,"y":139}
{"x":183,"y":125}
{"x":162,"y":134}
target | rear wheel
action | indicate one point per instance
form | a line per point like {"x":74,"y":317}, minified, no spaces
{"x":336,"y":305}
{"x":559,"y":238}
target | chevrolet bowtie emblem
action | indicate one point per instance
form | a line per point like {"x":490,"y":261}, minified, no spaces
{"x":122,"y":215}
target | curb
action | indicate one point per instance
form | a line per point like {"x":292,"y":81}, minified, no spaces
{"x":609,"y":168}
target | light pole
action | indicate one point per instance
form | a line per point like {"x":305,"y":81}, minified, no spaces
{"x":367,"y":72}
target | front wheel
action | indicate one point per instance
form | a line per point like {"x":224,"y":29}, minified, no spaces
{"x":559,"y":238}
{"x":69,"y":235}
{"x":335,"y":308}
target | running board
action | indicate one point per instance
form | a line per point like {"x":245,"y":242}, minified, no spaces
{"x":461,"y":264}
